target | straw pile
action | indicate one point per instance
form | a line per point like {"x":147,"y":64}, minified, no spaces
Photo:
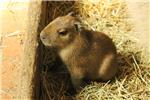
{"x":111,"y":17}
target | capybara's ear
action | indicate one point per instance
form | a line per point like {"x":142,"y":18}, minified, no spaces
{"x":71,"y":13}
{"x":78,"y":26}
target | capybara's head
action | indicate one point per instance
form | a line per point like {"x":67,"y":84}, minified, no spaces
{"x":61,"y":31}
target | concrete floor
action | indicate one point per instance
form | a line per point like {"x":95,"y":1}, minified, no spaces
{"x":139,"y":11}
{"x":13,"y":30}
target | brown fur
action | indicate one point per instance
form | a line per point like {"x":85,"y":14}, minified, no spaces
{"x":88,"y":54}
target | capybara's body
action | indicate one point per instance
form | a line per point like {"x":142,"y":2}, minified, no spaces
{"x":88,"y":54}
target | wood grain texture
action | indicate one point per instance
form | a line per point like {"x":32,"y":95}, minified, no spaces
{"x":30,"y":49}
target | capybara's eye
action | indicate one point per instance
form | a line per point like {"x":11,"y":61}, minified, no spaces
{"x":62,"y":32}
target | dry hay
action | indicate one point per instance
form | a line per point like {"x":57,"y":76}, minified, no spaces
{"x":111,"y":17}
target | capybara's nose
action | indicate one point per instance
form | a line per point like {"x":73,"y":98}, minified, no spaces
{"x":42,"y":36}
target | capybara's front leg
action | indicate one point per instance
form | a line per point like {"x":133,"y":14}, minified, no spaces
{"x":78,"y":83}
